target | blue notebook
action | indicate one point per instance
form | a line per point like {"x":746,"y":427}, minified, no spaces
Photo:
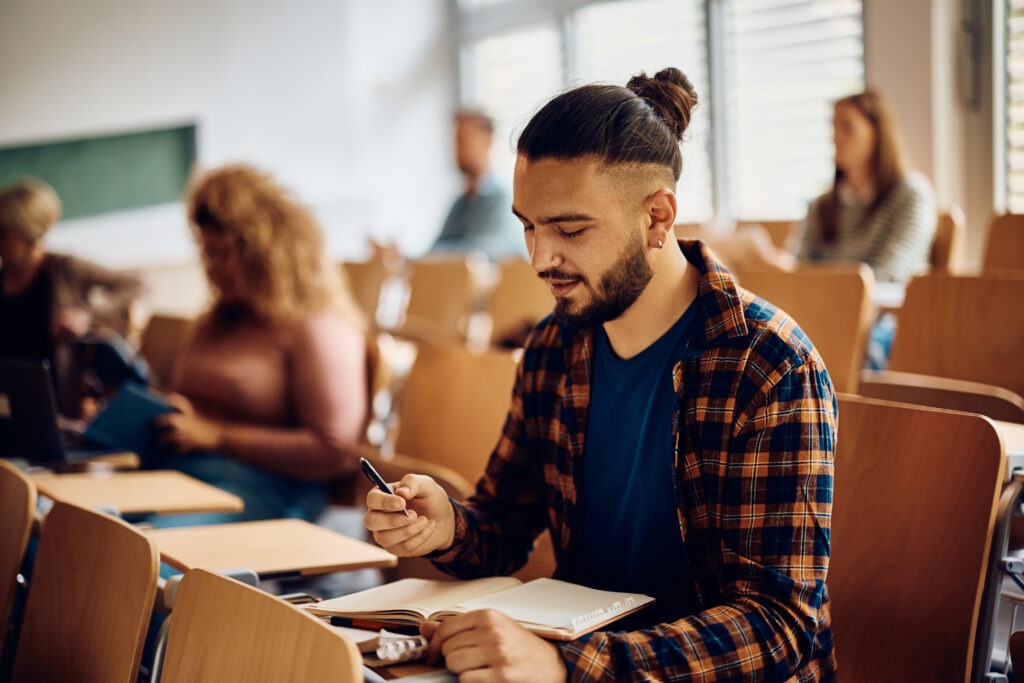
{"x":126,"y":421}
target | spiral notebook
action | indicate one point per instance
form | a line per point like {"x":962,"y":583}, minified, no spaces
{"x":554,"y":609}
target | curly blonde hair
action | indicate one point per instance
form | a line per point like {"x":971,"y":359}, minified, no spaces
{"x":279,"y":247}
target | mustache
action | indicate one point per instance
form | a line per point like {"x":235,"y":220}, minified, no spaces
{"x":555,"y":274}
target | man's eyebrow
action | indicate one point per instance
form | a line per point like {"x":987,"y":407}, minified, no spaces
{"x":559,"y":218}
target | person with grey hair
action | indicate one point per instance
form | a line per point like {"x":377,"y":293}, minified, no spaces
{"x":50,"y":304}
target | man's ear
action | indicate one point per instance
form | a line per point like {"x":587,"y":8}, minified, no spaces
{"x":660,"y":207}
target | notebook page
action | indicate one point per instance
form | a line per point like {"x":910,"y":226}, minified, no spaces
{"x":420,"y":596}
{"x":559,"y":604}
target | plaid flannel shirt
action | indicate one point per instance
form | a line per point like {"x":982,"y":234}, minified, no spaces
{"x":754,"y":434}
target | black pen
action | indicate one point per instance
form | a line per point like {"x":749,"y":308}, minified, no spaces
{"x":377,"y":480}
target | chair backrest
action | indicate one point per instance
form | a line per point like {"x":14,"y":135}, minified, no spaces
{"x":519,"y":300}
{"x":912,"y":523}
{"x":90,"y":599}
{"x":223,"y":630}
{"x":365,"y":280}
{"x":780,"y":232}
{"x":17,"y":507}
{"x":966,"y":328}
{"x":442,"y":291}
{"x":1004,"y":247}
{"x":942,"y":392}
{"x":162,"y":339}
{"x":452,"y":406}
{"x":949,"y":233}
{"x":1017,"y":651}
{"x":831,"y":303}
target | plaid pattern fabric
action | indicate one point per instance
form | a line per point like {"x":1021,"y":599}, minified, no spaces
{"x":755,"y":431}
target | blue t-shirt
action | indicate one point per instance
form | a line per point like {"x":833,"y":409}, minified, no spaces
{"x":626,"y":535}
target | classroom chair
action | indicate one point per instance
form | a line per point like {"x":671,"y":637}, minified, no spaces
{"x":949,"y":233}
{"x":960,"y":327}
{"x":913,"y":520}
{"x":162,"y":339}
{"x":1004,"y":246}
{"x":452,"y":405}
{"x":831,"y":303}
{"x":941,"y":392}
{"x":92,"y":591}
{"x":782,"y":233}
{"x":518,"y":301}
{"x":365,"y":280}
{"x":443,"y":292}
{"x":17,"y":510}
{"x":227,"y":631}
{"x":1017,"y":651}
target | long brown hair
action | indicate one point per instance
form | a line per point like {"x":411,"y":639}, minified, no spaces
{"x":888,"y":162}
{"x":279,"y":246}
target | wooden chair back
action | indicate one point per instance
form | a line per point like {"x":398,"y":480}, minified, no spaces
{"x":90,"y":600}
{"x":453,"y":405}
{"x":442,"y":293}
{"x":912,"y":522}
{"x":1017,"y":651}
{"x":780,"y":232}
{"x":519,"y":300}
{"x":223,"y":630}
{"x":967,"y":328}
{"x":162,"y":339}
{"x":365,"y":279}
{"x":832,"y":304}
{"x":17,"y":508}
{"x":949,"y":234}
{"x":1004,"y":247}
{"x":942,"y":392}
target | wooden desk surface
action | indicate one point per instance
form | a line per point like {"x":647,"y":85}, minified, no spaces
{"x":158,"y":491}
{"x":1013,"y":437}
{"x":269,"y":547}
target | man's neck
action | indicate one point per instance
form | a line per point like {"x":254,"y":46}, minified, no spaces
{"x":473,"y":182}
{"x":669,"y":293}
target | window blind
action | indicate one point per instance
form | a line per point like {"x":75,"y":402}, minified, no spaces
{"x":510,"y":75}
{"x":1014,"y":106}
{"x":614,"y":41}
{"x":787,"y":61}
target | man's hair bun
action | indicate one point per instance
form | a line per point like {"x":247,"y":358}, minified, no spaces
{"x":670,"y":94}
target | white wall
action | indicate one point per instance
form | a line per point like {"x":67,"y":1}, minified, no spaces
{"x":348,"y":102}
{"x":915,"y":54}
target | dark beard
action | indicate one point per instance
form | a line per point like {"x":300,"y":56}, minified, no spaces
{"x":620,"y":287}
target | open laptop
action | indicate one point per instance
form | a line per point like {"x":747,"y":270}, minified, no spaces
{"x":29,"y":428}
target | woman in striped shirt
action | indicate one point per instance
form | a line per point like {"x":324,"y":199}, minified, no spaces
{"x":877,"y":211}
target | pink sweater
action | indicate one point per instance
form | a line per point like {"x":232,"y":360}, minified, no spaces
{"x":294,"y":398}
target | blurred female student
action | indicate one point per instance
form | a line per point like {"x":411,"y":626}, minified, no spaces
{"x":272,"y":384}
{"x":877,"y":211}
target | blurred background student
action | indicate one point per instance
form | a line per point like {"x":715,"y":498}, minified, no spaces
{"x":60,"y":308}
{"x":877,"y":210}
{"x":272,"y":383}
{"x":480,"y":219}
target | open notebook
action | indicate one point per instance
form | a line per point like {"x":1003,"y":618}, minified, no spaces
{"x":554,"y":609}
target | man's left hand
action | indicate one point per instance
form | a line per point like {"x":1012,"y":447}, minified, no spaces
{"x":488,"y":646}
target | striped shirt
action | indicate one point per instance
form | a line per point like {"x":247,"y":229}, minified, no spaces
{"x":894,"y":242}
{"x":753,"y":434}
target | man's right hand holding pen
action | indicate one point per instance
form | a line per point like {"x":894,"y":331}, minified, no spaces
{"x":429,"y":526}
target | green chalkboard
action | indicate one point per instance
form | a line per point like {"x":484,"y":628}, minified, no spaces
{"x":111,"y":173}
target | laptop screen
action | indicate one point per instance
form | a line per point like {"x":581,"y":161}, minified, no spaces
{"x":28,"y":412}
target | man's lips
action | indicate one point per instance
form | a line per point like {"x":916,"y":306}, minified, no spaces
{"x":562,"y":286}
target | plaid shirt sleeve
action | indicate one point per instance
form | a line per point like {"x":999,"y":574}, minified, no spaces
{"x":769,"y":497}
